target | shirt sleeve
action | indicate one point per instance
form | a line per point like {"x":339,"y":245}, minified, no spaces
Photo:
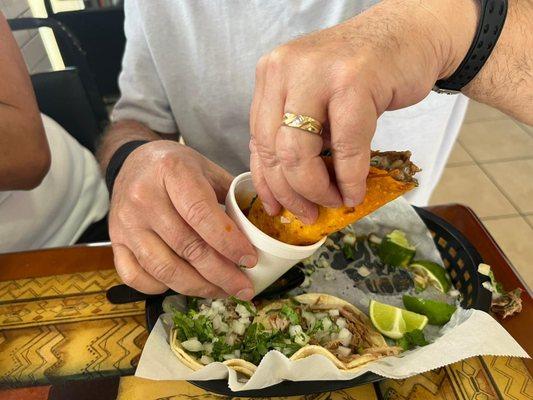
{"x":143,"y":97}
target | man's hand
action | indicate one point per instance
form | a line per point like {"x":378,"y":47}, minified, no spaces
{"x":168,"y":230}
{"x":346,"y":76}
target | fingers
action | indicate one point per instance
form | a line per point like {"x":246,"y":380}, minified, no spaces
{"x":268,"y":199}
{"x":271,"y":205}
{"x":299,"y":153}
{"x":158,"y":260}
{"x":352,"y":118}
{"x":195,"y":201}
{"x":132,"y":274}
{"x":208,"y":262}
{"x":267,"y":117}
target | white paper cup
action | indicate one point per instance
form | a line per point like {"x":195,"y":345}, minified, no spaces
{"x":274,"y":257}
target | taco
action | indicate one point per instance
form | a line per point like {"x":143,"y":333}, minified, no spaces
{"x":213,"y":331}
{"x":298,"y":327}
{"x":390,"y":176}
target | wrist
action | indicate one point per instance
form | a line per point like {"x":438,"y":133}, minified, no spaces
{"x":460,"y":19}
{"x":117,"y":160}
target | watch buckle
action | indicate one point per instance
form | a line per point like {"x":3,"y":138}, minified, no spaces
{"x":445,"y":91}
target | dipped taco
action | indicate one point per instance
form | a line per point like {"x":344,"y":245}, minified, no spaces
{"x":239,"y":334}
{"x":391,"y":175}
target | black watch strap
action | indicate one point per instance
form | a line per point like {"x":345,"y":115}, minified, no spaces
{"x":113,"y":168}
{"x":492,"y":18}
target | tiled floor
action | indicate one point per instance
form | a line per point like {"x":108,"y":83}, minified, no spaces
{"x":491,"y":170}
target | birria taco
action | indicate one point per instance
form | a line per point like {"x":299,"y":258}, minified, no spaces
{"x":390,"y":176}
{"x":239,"y":334}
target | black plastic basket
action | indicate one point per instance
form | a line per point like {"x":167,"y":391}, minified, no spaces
{"x":461,"y":260}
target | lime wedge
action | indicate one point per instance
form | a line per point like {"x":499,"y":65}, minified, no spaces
{"x":396,"y":250}
{"x":394,"y":322}
{"x":438,"y":313}
{"x":432,"y":273}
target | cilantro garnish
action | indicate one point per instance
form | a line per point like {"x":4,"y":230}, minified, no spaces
{"x":348,"y":251}
{"x":412,"y":339}
{"x":257,"y":342}
{"x":249,"y":306}
{"x":291,"y":314}
{"x":192,"y":303}
{"x":193,"y":325}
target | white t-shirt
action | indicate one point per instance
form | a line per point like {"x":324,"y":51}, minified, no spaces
{"x":189,"y":65}
{"x":72,"y":196}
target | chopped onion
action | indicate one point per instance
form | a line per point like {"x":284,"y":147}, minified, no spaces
{"x":208,"y":348}
{"x":237,"y":353}
{"x":219,"y":325}
{"x":230,"y":339}
{"x":341,"y":322}
{"x":373,"y":238}
{"x":454,"y":293}
{"x":228,"y":356}
{"x":320,"y":315}
{"x":344,"y":336}
{"x":238,"y":327}
{"x":224,"y":327}
{"x":344,"y":351}
{"x":326,"y":324}
{"x":295,"y":330}
{"x":333,"y":313}
{"x":193,"y":344}
{"x":483,"y":269}
{"x":242,"y":311}
{"x":309,"y":318}
{"x":218,"y":306}
{"x":363,"y":271}
{"x":206,"y":360}
{"x":487,"y":285}
{"x":349,"y":238}
{"x":284,"y":220}
{"x":302,"y":339}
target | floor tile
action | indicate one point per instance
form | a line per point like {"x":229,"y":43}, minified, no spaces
{"x":469,"y":185}
{"x":515,"y":236}
{"x":496,"y":140}
{"x":459,"y":155}
{"x":481,"y":112}
{"x":515,"y":178}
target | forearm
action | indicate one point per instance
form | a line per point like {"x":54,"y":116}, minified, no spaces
{"x":23,"y":164}
{"x":122,"y":132}
{"x":24,"y":151}
{"x":506,"y":80}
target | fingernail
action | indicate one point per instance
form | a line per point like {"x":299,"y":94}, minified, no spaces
{"x":248,"y":261}
{"x":269,"y":209}
{"x":245,"y":294}
{"x":348,"y":202}
{"x":307,"y":220}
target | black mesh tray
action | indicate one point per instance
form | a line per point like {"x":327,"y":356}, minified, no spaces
{"x":461,"y":260}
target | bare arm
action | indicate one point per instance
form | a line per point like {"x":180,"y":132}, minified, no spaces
{"x":506,"y":80}
{"x":24,"y":151}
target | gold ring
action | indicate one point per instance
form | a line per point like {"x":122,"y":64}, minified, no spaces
{"x":302,"y":122}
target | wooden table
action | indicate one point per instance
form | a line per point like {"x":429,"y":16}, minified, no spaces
{"x":61,"y":339}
